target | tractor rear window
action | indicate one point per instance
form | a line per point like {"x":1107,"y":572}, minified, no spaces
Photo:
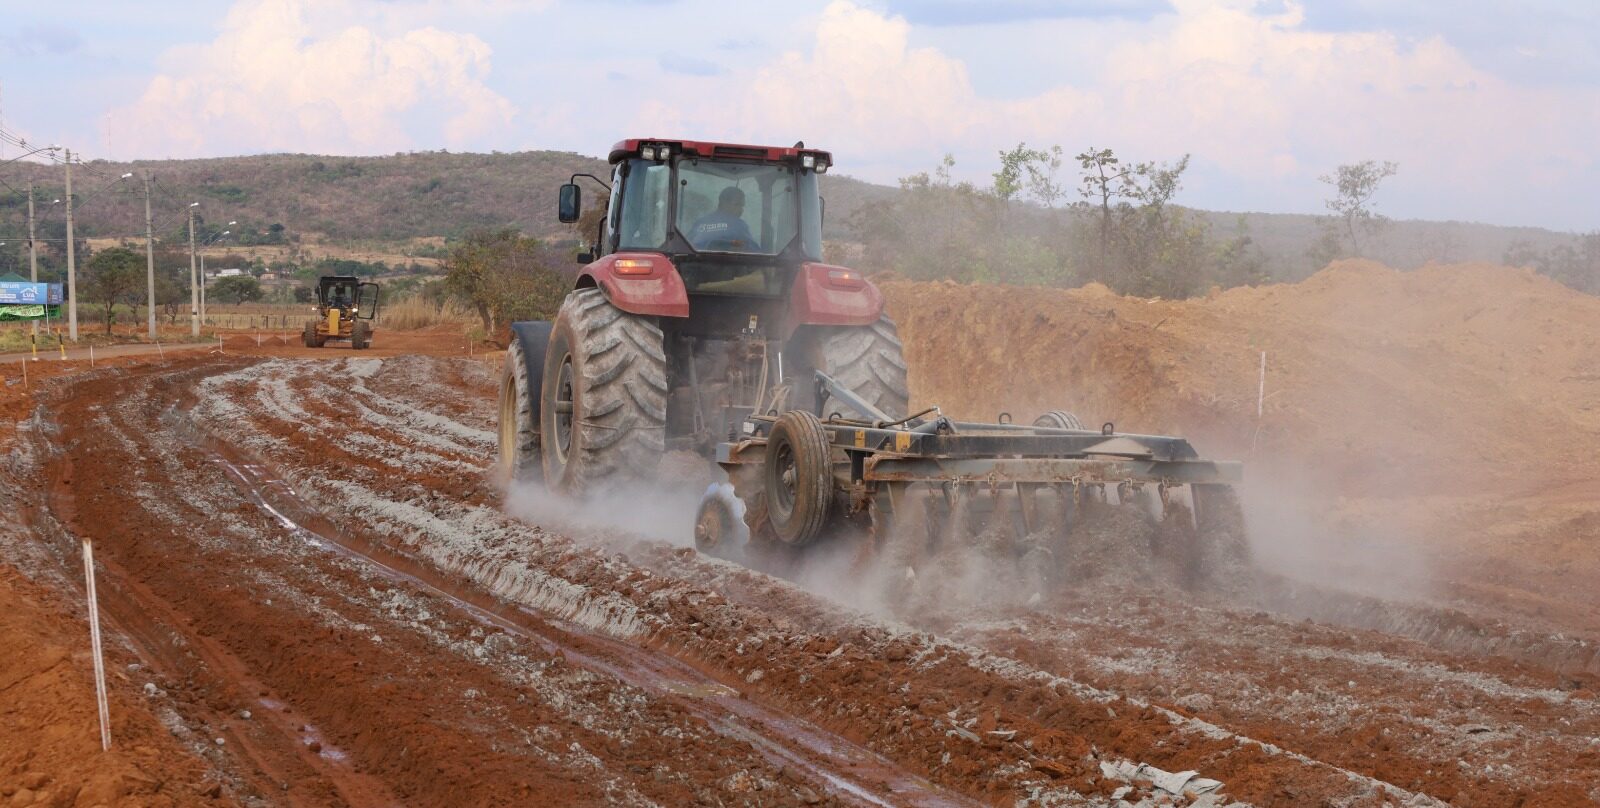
{"x":738,"y":207}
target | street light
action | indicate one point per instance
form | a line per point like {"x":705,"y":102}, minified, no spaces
{"x":31,"y":153}
{"x":208,"y":242}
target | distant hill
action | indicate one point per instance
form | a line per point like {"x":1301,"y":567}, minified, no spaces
{"x":347,"y":199}
{"x":426,"y":195}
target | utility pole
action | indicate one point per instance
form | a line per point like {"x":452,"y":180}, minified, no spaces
{"x":149,"y":259}
{"x":72,"y":263}
{"x":33,"y":256}
{"x":194,"y":288}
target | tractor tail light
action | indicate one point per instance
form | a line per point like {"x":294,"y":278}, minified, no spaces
{"x":634,"y":266}
{"x":845,"y":279}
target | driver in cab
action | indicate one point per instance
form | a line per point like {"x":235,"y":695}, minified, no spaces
{"x":722,"y":229}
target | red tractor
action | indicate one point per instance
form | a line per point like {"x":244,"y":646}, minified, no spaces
{"x":704,"y":293}
{"x":705,"y":320}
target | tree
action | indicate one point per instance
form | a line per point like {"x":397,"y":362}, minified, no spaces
{"x":235,"y":289}
{"x":1028,"y":169}
{"x":1354,"y":186}
{"x":1102,"y":174}
{"x":1042,"y":184}
{"x":504,"y":276}
{"x":113,"y":275}
{"x":1576,"y":264}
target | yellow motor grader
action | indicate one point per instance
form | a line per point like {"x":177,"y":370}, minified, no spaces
{"x":346,"y":307}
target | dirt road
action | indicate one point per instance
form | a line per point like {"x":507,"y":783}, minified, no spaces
{"x":314,"y":597}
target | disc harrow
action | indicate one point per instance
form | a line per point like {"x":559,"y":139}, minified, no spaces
{"x":906,"y":489}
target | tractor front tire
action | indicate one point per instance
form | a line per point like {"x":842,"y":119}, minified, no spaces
{"x":603,"y":407}
{"x":868,"y":361}
{"x":309,"y":336}
{"x":361,"y":335}
{"x":517,"y":439}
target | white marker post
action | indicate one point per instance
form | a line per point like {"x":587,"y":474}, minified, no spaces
{"x":94,"y":640}
{"x":1261,"y":403}
{"x":1261,"y":393}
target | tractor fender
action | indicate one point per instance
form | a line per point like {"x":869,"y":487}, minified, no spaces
{"x":824,"y":294}
{"x":534,"y":337}
{"x":639,"y":283}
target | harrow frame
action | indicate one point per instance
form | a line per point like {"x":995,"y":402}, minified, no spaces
{"x":874,"y":460}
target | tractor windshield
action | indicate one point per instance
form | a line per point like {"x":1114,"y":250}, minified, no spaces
{"x":723,"y":207}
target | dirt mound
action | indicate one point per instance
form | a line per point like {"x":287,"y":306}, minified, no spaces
{"x":1425,"y":380}
{"x":1451,"y":404}
{"x":240,"y":342}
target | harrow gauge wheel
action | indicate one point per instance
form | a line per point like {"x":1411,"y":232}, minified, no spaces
{"x":1058,"y":419}
{"x":798,"y":477}
{"x":718,"y":529}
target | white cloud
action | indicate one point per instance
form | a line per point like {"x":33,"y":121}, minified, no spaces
{"x":1261,"y":102}
{"x":273,"y":81}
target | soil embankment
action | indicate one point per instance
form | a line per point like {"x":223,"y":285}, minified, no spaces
{"x":1445,"y":421}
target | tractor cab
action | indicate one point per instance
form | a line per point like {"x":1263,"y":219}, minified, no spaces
{"x":734,"y":220}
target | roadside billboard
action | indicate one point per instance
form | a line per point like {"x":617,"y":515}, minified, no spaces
{"x":29,"y":294}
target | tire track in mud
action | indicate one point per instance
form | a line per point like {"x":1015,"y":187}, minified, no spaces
{"x":357,"y":660}
{"x":855,"y":773}
{"x":1020,"y":769}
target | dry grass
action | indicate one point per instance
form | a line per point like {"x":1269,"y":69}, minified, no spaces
{"x":414,"y":312}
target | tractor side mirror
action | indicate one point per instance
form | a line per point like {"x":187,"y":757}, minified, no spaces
{"x":571,"y":203}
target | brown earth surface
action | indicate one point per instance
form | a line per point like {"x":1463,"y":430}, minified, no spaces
{"x":313,"y":596}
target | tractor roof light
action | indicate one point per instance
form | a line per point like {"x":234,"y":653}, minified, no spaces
{"x":647,"y":152}
{"x":808,"y":160}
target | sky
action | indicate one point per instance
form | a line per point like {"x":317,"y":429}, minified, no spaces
{"x":1490,"y":109}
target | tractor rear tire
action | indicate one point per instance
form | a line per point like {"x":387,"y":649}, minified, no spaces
{"x":868,"y":361}
{"x":360,"y":335}
{"x":603,"y":407}
{"x":309,"y":336}
{"x":798,"y":478}
{"x":517,"y":439}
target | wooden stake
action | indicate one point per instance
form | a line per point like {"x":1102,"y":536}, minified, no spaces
{"x":94,"y":641}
